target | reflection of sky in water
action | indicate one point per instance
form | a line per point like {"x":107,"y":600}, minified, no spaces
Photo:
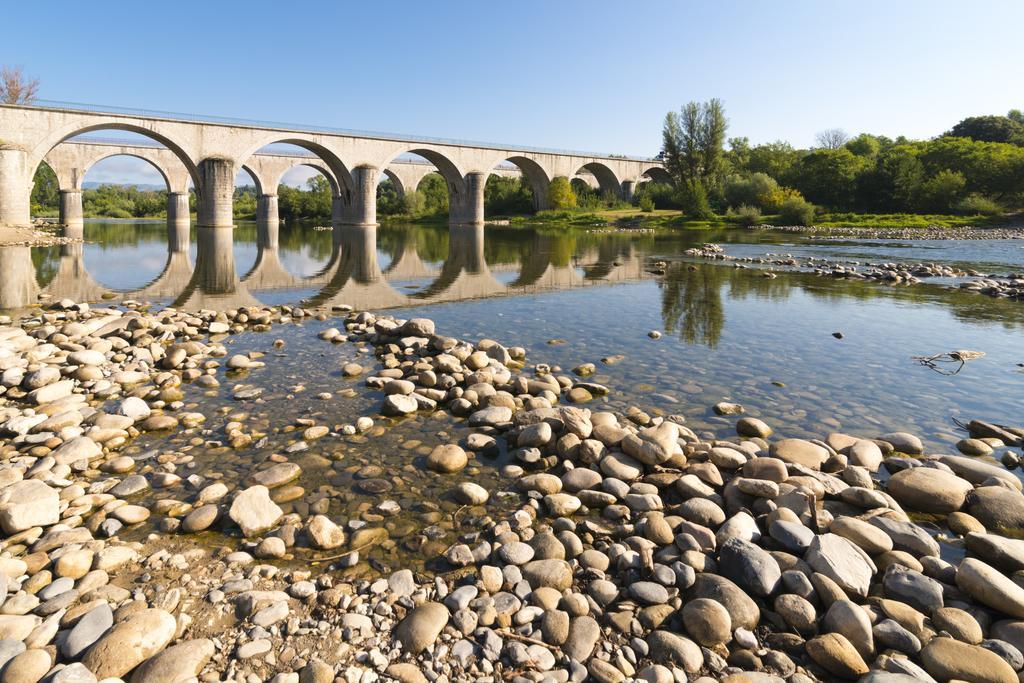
{"x":729,"y":333}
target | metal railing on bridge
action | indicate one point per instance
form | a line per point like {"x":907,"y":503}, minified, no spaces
{"x":277,"y":125}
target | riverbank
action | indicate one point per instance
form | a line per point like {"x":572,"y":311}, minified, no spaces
{"x":635,"y":547}
{"x":30,"y":237}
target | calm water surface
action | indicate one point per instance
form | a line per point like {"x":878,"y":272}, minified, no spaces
{"x":569,"y":298}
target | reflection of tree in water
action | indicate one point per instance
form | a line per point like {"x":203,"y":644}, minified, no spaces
{"x":430,"y":241}
{"x":46,"y":260}
{"x":691,"y":301}
{"x":744,"y":283}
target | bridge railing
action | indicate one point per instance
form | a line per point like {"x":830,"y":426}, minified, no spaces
{"x":254,"y":123}
{"x":148,"y":143}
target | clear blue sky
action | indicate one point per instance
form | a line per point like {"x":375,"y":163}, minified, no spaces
{"x":593,"y":75}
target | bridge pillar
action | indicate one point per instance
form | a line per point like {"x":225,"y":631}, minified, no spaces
{"x":469,"y":209}
{"x":15,"y":187}
{"x":216,"y":192}
{"x":71,"y":208}
{"x":179,"y":222}
{"x":178,"y":209}
{"x":363,"y":208}
{"x":628,"y":188}
{"x":266,"y":208}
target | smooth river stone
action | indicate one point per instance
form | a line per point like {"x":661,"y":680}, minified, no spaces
{"x":799,"y":452}
{"x":990,"y":587}
{"x":421,"y":627}
{"x":928,"y":489}
{"x":130,"y":643}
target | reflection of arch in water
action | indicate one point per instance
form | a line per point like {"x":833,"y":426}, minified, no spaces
{"x":406,"y":263}
{"x":18,"y":286}
{"x":465,"y":274}
{"x":546,"y":266}
{"x":356,"y":279}
{"x":214,"y":283}
{"x":72,"y":279}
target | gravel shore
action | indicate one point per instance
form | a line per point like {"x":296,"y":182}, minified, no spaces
{"x":636,"y":548}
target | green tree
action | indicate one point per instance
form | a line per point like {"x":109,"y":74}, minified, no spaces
{"x":505,"y":196}
{"x":827,"y":176}
{"x":865,"y":145}
{"x":389,"y":201}
{"x":435,"y":194}
{"x":989,"y":129}
{"x":561,"y":195}
{"x":693,"y":140}
{"x":943,"y":191}
{"x":754,"y":189}
{"x":776,"y":159}
{"x":45,"y":190}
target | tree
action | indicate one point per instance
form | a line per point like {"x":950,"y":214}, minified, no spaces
{"x":865,"y":145}
{"x":693,"y":141}
{"x":943,"y":191}
{"x":15,"y":88}
{"x":560,"y":194}
{"x":45,"y":189}
{"x":1016,"y":115}
{"x":750,"y":190}
{"x":827,"y":176}
{"x":989,"y":129}
{"x":776,"y":159}
{"x":833,"y":138}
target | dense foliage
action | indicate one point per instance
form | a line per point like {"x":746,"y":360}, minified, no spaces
{"x":977,"y":168}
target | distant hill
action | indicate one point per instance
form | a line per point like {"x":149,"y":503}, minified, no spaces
{"x":92,"y":185}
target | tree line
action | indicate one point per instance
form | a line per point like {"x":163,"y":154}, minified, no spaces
{"x":976,"y":168}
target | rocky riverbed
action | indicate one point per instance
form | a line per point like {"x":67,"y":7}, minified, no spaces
{"x":965,"y":232}
{"x":613,"y":546}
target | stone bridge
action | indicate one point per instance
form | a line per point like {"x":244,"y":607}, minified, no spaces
{"x":71,"y":161}
{"x":213,"y":151}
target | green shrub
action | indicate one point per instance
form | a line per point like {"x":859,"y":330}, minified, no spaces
{"x":976,"y":204}
{"x":646,"y":204}
{"x":560,"y":194}
{"x":695,"y":201}
{"x":755,"y":189}
{"x":745,"y":215}
{"x":796,"y":211}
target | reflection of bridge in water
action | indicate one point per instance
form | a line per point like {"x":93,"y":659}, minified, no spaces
{"x":352,"y":276}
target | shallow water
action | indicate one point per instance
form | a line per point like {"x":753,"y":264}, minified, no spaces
{"x":729,"y":334}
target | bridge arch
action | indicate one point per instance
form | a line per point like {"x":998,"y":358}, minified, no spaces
{"x":460,"y":192}
{"x":92,"y":162}
{"x":537,"y":178}
{"x":397,"y":183}
{"x":658,"y":174}
{"x":607,"y":181}
{"x":74,"y":130}
{"x":338,"y":173}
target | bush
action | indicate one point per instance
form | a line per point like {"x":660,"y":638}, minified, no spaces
{"x":796,"y":211}
{"x":745,"y":215}
{"x":646,"y":204}
{"x":943,"y":191}
{"x":560,"y":194}
{"x":695,"y":201}
{"x":752,"y":190}
{"x":976,"y":204}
